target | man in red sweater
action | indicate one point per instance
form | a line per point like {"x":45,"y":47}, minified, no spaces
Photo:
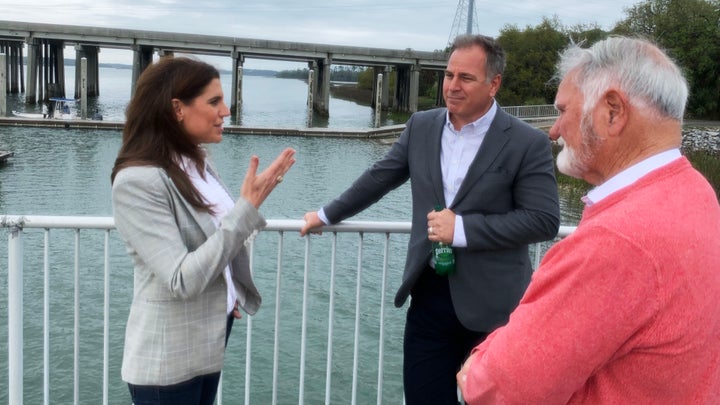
{"x":624,"y":310}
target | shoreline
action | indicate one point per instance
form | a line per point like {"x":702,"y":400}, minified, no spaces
{"x":697,"y":134}
{"x":389,"y":131}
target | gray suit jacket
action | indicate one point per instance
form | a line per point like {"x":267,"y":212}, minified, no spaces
{"x":177,"y":323}
{"x":508,"y":200}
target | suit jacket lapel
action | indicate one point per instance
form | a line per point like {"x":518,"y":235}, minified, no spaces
{"x":433,"y":146}
{"x":494,"y":142}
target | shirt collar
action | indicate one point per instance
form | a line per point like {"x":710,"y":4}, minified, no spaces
{"x":630,"y":175}
{"x":480,"y":125}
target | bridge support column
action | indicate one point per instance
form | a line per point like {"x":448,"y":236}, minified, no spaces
{"x":236,"y":86}
{"x":142,"y":58}
{"x":407,"y":87}
{"x":90,"y":53}
{"x":17,"y":63}
{"x":439,"y":99}
{"x":321,"y":91}
{"x":13,"y":66}
{"x":32,"y":72}
{"x":387,"y":102}
{"x":414,"y":87}
{"x":51,"y":70}
{"x":3,"y":83}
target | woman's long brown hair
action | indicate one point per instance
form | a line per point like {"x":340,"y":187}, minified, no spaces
{"x":152,"y":135}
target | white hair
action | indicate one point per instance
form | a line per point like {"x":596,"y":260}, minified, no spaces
{"x":650,"y":79}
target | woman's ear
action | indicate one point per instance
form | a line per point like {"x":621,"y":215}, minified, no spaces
{"x":177,"y":107}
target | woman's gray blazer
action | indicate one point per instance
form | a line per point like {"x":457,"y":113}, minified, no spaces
{"x":178,"y":317}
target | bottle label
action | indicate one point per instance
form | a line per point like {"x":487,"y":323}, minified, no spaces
{"x":444,"y":259}
{"x":443,"y":255}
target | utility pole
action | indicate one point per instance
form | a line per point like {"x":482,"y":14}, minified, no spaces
{"x":465,"y":18}
{"x":470,"y":14}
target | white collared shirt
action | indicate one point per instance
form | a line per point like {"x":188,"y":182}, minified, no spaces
{"x":630,"y":175}
{"x":457,"y":152}
{"x":216,"y":195}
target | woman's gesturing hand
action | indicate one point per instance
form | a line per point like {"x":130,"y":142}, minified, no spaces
{"x":256,"y":187}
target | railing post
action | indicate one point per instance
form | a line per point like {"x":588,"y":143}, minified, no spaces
{"x":15,"y":316}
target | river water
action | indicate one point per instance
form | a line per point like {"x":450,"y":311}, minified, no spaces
{"x":67,"y":172}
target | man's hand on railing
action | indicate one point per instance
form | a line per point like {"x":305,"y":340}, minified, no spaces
{"x":313,"y":224}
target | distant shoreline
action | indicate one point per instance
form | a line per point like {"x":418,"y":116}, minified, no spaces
{"x":350,"y":91}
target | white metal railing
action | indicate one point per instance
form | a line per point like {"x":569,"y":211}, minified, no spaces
{"x":532,"y":112}
{"x":384,"y":232}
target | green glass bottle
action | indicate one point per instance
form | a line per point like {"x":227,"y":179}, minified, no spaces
{"x":443,"y":255}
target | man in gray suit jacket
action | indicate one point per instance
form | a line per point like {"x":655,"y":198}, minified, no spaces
{"x":495,"y":175}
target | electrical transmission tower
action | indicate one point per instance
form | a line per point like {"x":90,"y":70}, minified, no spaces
{"x":465,"y":20}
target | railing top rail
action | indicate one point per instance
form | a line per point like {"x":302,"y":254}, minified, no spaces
{"x":45,"y":221}
{"x":285,"y":225}
{"x":74,"y":222}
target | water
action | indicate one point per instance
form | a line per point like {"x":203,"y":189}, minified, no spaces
{"x":66,"y":172}
{"x":267,"y":102}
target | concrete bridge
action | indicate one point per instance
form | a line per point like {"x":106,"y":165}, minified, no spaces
{"x":45,"y":45}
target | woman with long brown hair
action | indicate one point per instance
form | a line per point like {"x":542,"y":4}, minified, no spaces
{"x":186,"y":235}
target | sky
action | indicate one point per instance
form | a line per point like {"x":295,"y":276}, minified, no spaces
{"x":421,"y":25}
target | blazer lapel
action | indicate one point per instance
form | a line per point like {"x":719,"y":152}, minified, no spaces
{"x":434,"y":140}
{"x":202,"y":219}
{"x":491,"y":146}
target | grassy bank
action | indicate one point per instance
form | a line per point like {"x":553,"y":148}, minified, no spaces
{"x":707,"y":163}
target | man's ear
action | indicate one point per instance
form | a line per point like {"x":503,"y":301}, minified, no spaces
{"x":616,"y":112}
{"x":495,"y":85}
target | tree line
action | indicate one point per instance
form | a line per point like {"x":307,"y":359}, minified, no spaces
{"x":689,"y":30}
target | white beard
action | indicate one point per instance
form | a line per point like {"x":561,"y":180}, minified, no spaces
{"x":568,"y":161}
{"x":575,"y":163}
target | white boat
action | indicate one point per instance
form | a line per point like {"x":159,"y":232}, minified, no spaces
{"x":33,"y":116}
{"x":60,"y":110}
{"x":5,"y":155}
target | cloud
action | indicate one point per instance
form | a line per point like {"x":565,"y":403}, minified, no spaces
{"x":424,"y":25}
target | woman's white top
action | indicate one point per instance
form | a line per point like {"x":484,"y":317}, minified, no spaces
{"x":216,"y":195}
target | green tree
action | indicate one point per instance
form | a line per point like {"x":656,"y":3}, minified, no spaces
{"x":690,"y":32}
{"x":531,"y":56}
{"x":586,"y":34}
{"x":365,"y":79}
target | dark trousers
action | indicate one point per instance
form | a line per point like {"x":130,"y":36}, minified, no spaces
{"x":200,"y":390}
{"x":436,"y":343}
